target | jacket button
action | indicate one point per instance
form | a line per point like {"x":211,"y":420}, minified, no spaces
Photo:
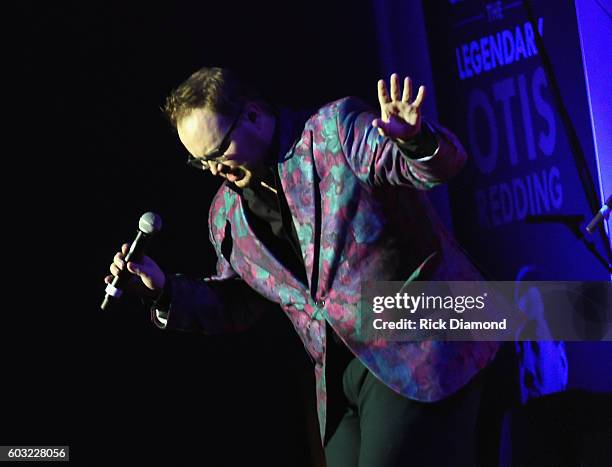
{"x":320,"y":303}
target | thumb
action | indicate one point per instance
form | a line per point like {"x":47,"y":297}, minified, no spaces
{"x":135,"y":268}
{"x":381,"y":125}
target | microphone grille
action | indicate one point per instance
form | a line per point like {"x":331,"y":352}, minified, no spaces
{"x":150,"y":223}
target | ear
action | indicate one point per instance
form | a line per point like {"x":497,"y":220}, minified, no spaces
{"x":254,"y":112}
{"x":260,"y":120}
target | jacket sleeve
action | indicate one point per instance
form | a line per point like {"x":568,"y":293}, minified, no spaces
{"x":219,"y":304}
{"x":377,"y":160}
{"x":213,"y":305}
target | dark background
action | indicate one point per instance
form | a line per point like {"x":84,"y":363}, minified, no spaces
{"x":99,"y":154}
{"x":90,"y":153}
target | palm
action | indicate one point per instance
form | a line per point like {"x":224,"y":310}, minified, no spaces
{"x":400,"y":118}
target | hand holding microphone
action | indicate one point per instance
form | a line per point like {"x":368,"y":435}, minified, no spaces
{"x":131,"y":270}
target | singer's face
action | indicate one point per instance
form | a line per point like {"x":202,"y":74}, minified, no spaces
{"x":202,"y":132}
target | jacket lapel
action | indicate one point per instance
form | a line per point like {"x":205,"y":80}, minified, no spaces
{"x":299,"y":182}
{"x":251,"y":259}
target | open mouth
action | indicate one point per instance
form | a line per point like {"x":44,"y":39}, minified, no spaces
{"x":232,"y":174}
{"x":234,"y":177}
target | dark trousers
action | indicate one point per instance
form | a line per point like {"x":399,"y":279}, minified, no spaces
{"x":373,"y":426}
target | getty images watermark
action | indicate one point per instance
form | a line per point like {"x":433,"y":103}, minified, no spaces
{"x":486,"y":311}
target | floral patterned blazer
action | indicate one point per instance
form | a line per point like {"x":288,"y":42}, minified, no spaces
{"x":360,"y":212}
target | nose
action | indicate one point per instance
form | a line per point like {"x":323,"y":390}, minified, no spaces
{"x":213,"y":168}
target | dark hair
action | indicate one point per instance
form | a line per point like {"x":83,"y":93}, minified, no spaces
{"x":216,"y":89}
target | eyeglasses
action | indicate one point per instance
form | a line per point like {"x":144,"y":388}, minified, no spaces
{"x":216,"y":155}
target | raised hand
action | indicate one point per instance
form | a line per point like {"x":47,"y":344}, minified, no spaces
{"x":400,"y":118}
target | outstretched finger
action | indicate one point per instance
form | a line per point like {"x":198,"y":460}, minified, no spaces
{"x":383,"y":95}
{"x":420,"y":96}
{"x":407,"y":89}
{"x":395,"y":87}
{"x":125,"y":248}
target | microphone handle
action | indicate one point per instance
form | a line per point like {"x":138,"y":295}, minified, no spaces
{"x":602,"y":214}
{"x":114,"y":290}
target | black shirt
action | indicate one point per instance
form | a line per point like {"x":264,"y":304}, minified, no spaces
{"x":269,"y":217}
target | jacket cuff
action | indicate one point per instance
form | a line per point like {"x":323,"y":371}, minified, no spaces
{"x":423,"y":146}
{"x":160,"y":307}
{"x":165,"y":298}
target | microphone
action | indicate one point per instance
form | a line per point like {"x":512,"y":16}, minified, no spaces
{"x":602,"y":214}
{"x":149,"y":224}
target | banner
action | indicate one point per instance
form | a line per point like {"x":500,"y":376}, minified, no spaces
{"x":518,"y":206}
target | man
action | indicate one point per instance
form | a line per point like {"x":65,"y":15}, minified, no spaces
{"x":309,"y":211}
